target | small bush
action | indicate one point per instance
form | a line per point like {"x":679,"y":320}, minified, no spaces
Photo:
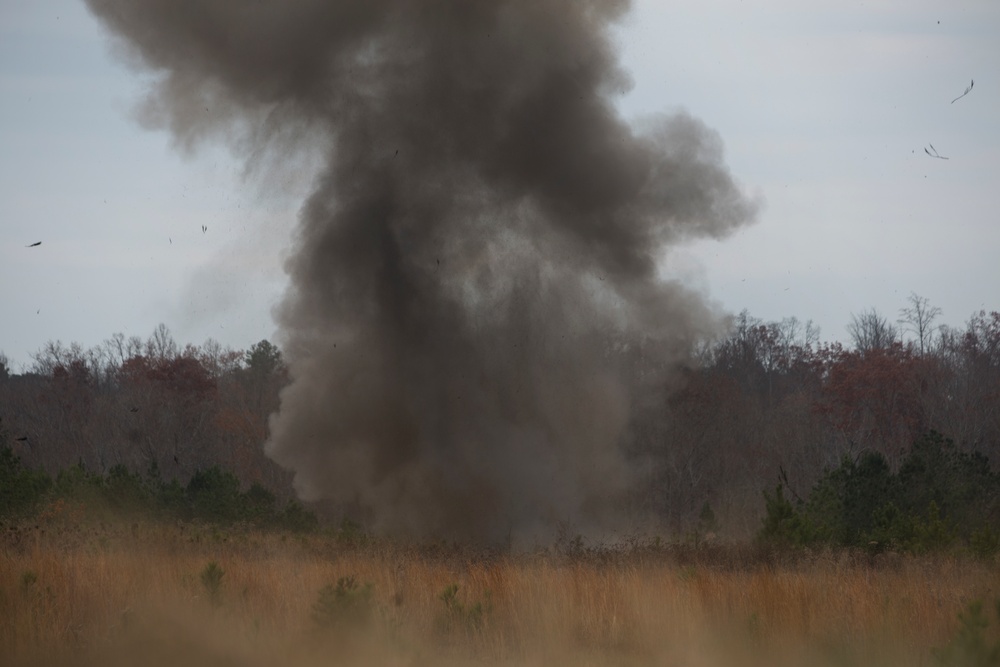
{"x":21,"y":490}
{"x":172,"y":500}
{"x":971,"y":647}
{"x":211,"y":579}
{"x":214,"y":495}
{"x":460,"y":616}
{"x":783,"y":522}
{"x":77,"y":483}
{"x":351,"y":534}
{"x":258,"y":503}
{"x":28,"y":579}
{"x":211,"y":495}
{"x":297,"y":518}
{"x":932,"y":533}
{"x":126,"y":490}
{"x":984,"y":543}
{"x":938,"y":499}
{"x":347,"y":603}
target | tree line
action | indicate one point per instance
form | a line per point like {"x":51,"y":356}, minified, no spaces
{"x":142,"y":404}
{"x":938,"y":498}
{"x":766,"y":401}
{"x":771,"y":400}
{"x":213,"y":495}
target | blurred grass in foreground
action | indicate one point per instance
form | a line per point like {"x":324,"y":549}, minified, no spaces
{"x":76,"y":592}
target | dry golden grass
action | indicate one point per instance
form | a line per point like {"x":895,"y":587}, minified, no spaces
{"x":130,"y":593}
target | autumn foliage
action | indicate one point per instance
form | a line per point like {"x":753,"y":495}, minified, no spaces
{"x":771,"y":402}
{"x":768,"y":402}
{"x":147,"y":406}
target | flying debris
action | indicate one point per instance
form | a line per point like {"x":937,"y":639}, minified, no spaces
{"x":972,"y":82}
{"x":34,"y":245}
{"x":933,"y":153}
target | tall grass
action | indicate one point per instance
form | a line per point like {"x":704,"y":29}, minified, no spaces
{"x":122,"y":594}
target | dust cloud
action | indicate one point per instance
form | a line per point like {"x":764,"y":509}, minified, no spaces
{"x":474,"y":310}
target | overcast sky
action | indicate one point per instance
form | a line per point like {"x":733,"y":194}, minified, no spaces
{"x":825,"y":109}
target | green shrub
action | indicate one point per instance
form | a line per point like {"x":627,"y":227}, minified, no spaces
{"x":28,"y":579}
{"x":843,"y":505}
{"x":984,"y":543}
{"x":938,"y":497}
{"x":960,"y":484}
{"x":891,"y":529}
{"x":347,"y":603}
{"x":460,"y":616}
{"x":214,"y":495}
{"x":211,"y":579}
{"x":297,"y":518}
{"x":172,"y":499}
{"x":126,"y":490}
{"x":971,"y":647}
{"x":21,"y":490}
{"x":257,"y":503}
{"x":351,"y":533}
{"x":932,"y":533}
{"x":783,"y":522}
{"x":77,"y":483}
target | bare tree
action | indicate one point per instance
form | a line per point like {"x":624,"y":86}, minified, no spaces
{"x":161,"y":346}
{"x":54,"y":354}
{"x":115,"y":350}
{"x":871,"y":331}
{"x":791,"y":333}
{"x":219,"y":360}
{"x":810,"y":337}
{"x":788,"y":332}
{"x":918,"y":319}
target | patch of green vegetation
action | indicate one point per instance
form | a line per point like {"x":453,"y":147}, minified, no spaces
{"x":212,"y":495}
{"x":346,"y":604}
{"x":351,"y":534}
{"x":461,"y":616}
{"x":21,"y":490}
{"x":973,"y":645}
{"x":211,"y":579}
{"x":939,"y":499}
{"x":28,"y":579}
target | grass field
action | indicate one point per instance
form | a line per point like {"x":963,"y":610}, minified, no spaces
{"x":75,"y":591}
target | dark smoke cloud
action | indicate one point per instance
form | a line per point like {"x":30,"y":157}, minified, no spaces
{"x":474,"y":311}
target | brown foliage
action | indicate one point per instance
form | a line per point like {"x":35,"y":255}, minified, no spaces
{"x":876,"y":398}
{"x":766,"y":400}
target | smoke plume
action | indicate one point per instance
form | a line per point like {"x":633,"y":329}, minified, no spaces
{"x":474,"y":311}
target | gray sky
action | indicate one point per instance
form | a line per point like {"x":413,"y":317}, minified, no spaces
{"x":825,"y":113}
